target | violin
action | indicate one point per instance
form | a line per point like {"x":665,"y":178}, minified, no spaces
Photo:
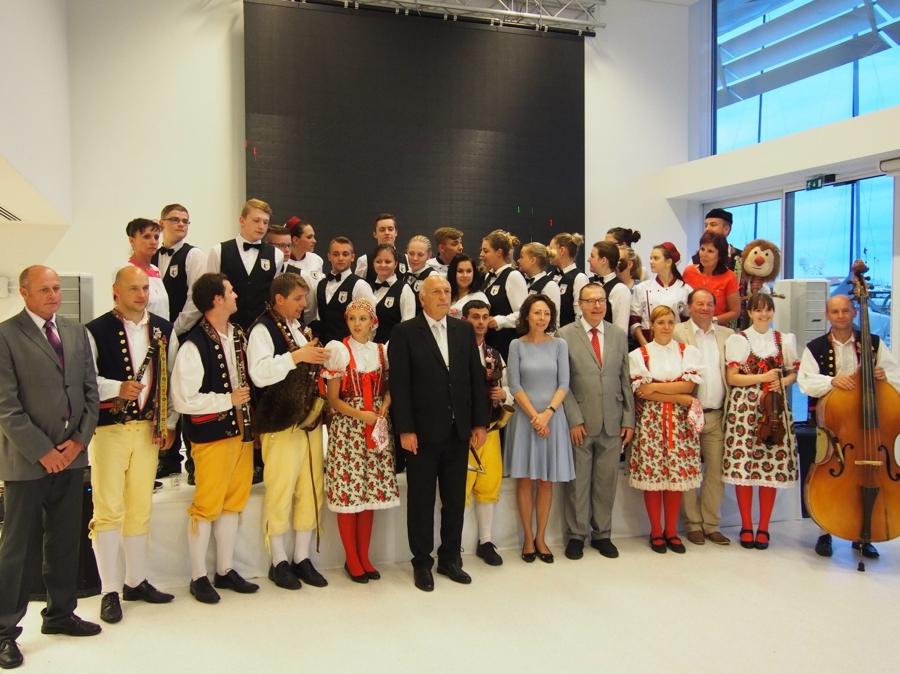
{"x":771,"y":427}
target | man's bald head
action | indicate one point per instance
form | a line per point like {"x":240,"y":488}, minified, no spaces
{"x":435,"y":296}
{"x":39,"y":287}
{"x":129,"y":274}
{"x":838,"y":301}
{"x":840,"y":312}
{"x":131,"y":290}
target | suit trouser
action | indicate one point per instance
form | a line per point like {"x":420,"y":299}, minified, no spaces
{"x":590,"y":496}
{"x":702,"y":506}
{"x":52,"y":504}
{"x":445,"y":463}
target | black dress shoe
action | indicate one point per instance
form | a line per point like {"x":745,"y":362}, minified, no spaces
{"x":869,"y":551}
{"x":165,"y":470}
{"x":72,"y":626}
{"x":454,"y":572}
{"x":146,"y":592}
{"x":545,"y":557}
{"x":110,"y":608}
{"x":362,"y":578}
{"x":157,"y":485}
{"x":10,"y":655}
{"x":658,"y":544}
{"x":374,"y":574}
{"x":675,"y":545}
{"x":488,"y":552}
{"x":203,"y":591}
{"x":575,"y":548}
{"x":283,"y":576}
{"x":823,"y":546}
{"x":529,"y":556}
{"x":605,"y":547}
{"x":233,"y":581}
{"x":423,"y":579}
{"x":306,"y":572}
{"x":257,"y":474}
{"x":192,"y":480}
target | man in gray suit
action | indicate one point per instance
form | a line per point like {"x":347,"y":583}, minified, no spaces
{"x":600,"y":411}
{"x":702,"y":506}
{"x":48,"y":411}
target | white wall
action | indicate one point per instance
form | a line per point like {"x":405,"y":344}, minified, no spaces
{"x":636,"y":122}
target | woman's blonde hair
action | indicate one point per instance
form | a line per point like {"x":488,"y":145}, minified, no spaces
{"x":539,"y":252}
{"x":503,"y":241}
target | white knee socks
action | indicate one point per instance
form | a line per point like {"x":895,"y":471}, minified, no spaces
{"x":302,"y":539}
{"x":106,"y":551}
{"x":277,"y":550}
{"x":135,"y":559}
{"x":484,"y":514}
{"x":198,"y":542}
{"x":225,"y":528}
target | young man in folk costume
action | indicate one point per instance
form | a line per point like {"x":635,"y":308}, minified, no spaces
{"x":211,"y":390}
{"x":284,"y":369}
{"x":134,"y":352}
{"x":832,"y":361}
{"x":484,"y":482}
{"x":337,"y":290}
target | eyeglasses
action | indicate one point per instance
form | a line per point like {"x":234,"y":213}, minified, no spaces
{"x":184,"y":221}
{"x":597,"y":300}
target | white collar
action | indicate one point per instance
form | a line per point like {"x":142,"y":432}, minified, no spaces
{"x":141,"y":323}
{"x":178,"y":246}
{"x":696,"y":328}
{"x":566,"y":270}
{"x":540,"y":274}
{"x":343,"y":276}
{"x":609,"y":277}
{"x":241,"y":239}
{"x":40,"y":322}
{"x":432,"y":322}
{"x":588,"y":327}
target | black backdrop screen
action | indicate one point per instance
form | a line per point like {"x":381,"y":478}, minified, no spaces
{"x":350,"y":113}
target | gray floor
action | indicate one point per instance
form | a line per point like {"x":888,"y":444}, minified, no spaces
{"x":714,"y":609}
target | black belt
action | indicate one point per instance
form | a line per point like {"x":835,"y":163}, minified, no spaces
{"x":711,"y":409}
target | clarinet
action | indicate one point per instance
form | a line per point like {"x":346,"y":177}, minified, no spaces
{"x":122,"y":414}
{"x":242,"y":381}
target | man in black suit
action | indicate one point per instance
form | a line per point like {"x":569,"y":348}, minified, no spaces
{"x":48,"y":411}
{"x":439,"y":406}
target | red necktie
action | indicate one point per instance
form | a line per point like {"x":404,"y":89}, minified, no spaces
{"x":595,"y":342}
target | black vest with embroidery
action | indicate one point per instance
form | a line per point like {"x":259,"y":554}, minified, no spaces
{"x":388,"y":316}
{"x":608,"y":286}
{"x":332,"y":324}
{"x":252,"y":290}
{"x":175,"y":279}
{"x":822,"y":350}
{"x":567,"y":297}
{"x":500,"y":306}
{"x":114,"y":362}
{"x":213,"y":426}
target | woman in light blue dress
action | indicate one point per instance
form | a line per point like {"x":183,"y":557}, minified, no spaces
{"x":538,"y":450}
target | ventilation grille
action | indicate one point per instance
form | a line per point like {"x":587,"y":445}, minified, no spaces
{"x":8,"y":215}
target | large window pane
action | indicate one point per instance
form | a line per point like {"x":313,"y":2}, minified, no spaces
{"x":822,"y":232}
{"x":759,"y":220}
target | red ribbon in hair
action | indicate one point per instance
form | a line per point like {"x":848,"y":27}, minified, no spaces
{"x":670,"y":248}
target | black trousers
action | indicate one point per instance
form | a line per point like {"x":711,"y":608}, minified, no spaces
{"x":443,"y":465}
{"x":52,"y":505}
{"x":171,"y":459}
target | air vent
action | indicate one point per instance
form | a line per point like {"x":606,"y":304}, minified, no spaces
{"x":8,"y":216}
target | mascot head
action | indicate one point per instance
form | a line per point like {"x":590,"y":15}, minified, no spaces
{"x":761,"y":259}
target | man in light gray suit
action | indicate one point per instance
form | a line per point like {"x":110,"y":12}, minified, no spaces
{"x":48,"y":411}
{"x":702,"y":506}
{"x":600,"y":411}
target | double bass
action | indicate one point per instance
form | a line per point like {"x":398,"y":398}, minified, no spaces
{"x":854,"y":491}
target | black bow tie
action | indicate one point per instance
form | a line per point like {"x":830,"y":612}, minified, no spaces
{"x":490,"y":276}
{"x":529,"y":282}
{"x":248,"y":246}
{"x":595,"y":279}
{"x":333,"y":277}
{"x":381,"y":284}
{"x":166,"y":251}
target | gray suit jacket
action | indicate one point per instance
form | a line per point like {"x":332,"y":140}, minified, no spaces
{"x":684,"y":333}
{"x":599,"y":398}
{"x":34,"y":393}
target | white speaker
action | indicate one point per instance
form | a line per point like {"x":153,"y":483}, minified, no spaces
{"x":802,"y":311}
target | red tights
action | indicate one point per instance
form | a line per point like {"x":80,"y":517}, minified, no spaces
{"x":656,"y":502}
{"x":744,"y":494}
{"x":356,"y":533}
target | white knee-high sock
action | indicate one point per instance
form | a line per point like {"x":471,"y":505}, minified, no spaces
{"x":106,"y":552}
{"x":225,"y":528}
{"x":277,"y":549}
{"x":135,"y":559}
{"x":302,"y":539}
{"x":198,"y":542}
{"x":484,"y":514}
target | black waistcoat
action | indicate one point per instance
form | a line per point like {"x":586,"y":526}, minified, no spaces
{"x":415,"y":281}
{"x":252,"y":290}
{"x":176,"y":280}
{"x":500,"y":306}
{"x":332,"y":324}
{"x":114,"y":362}
{"x":822,"y":350}
{"x":388,"y":311}
{"x":567,"y":297}
{"x":608,"y":286}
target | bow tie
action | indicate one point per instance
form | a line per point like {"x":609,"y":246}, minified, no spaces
{"x":248,"y":246}
{"x":332,"y":277}
{"x":166,"y":251}
{"x":529,"y":282}
{"x":490,"y":276}
{"x":381,"y":284}
{"x":595,"y":279}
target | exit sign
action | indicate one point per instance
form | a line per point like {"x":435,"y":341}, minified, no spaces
{"x":817,"y":182}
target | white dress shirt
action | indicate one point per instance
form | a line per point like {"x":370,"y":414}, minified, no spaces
{"x":248,"y":257}
{"x":187,"y":377}
{"x":516,"y":290}
{"x":815,"y":384}
{"x":436,"y":264}
{"x":138,"y":337}
{"x":360,"y":288}
{"x":265,"y":367}
{"x":195,"y":267}
{"x":310,"y":263}
{"x":737,"y":348}
{"x":600,"y":334}
{"x":439,"y":331}
{"x":711,"y":391}
{"x":619,"y":301}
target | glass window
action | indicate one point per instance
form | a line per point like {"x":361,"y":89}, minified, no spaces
{"x":758,"y":220}
{"x":785,"y":66}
